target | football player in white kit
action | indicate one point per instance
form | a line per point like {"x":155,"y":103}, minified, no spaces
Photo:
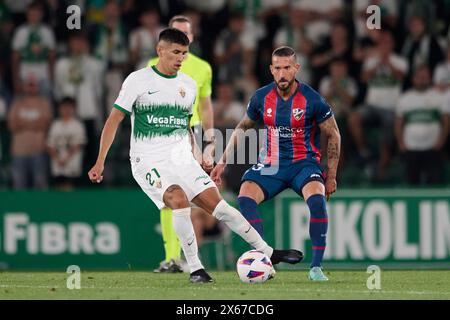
{"x":159,"y":100}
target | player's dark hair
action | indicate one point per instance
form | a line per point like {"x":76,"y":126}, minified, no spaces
{"x":172,"y":35}
{"x":284,"y":51}
{"x":179,"y":18}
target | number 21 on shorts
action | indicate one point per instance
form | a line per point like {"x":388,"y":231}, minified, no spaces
{"x":153,"y":178}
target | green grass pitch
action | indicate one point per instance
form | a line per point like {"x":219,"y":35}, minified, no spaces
{"x":399,"y":284}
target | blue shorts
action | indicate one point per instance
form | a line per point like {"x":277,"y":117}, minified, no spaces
{"x":294,"y":176}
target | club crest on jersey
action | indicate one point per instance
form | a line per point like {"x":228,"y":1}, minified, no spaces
{"x":182,"y":92}
{"x":298,"y":113}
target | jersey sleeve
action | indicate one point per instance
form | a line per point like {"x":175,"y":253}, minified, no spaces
{"x":205,"y":90}
{"x":127,"y":96}
{"x":322,"y":110}
{"x":253,"y":109}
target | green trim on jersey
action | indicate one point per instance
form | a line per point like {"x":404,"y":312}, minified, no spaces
{"x":162,"y":74}
{"x":201,"y":71}
{"x":122,"y":109}
{"x":424,"y":115}
{"x":160,"y":120}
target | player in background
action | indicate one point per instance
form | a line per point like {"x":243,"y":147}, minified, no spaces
{"x":159,"y":100}
{"x":294,"y":115}
{"x":202,"y":116}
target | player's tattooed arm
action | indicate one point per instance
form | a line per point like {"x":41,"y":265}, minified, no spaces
{"x":330,"y":129}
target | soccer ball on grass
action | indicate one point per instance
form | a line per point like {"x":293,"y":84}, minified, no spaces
{"x":254,"y":267}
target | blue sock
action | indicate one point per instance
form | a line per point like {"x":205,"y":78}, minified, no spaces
{"x":318,"y":225}
{"x":249,"y":209}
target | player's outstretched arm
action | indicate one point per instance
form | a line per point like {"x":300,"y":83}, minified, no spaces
{"x":106,"y":140}
{"x":330,"y":129}
{"x":208,"y":128}
{"x":206,"y":164}
{"x":245,"y":124}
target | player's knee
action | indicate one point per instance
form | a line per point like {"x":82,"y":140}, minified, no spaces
{"x":175,"y":198}
{"x":251,"y":190}
{"x":312,"y":188}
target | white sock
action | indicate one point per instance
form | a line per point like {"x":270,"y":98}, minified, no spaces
{"x":236,"y":222}
{"x":185,"y":231}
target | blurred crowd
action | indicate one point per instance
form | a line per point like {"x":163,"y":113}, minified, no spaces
{"x":389,"y":88}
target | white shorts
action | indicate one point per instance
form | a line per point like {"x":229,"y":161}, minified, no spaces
{"x":154,"y":176}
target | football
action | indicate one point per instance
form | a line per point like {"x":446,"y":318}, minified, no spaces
{"x":254,"y":267}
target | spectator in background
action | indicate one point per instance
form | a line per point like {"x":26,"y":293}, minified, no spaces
{"x":65,"y":142}
{"x":143,"y":40}
{"x":420,"y":48}
{"x":18,"y":9}
{"x":383,"y":72}
{"x":234,"y":61}
{"x":318,"y":16}
{"x":291,"y":34}
{"x":80,"y":76}
{"x":340,"y":90}
{"x":6,"y":31}
{"x":28,"y":121}
{"x":227,"y":110}
{"x":111,"y":48}
{"x":254,"y":29}
{"x":34,"y":51}
{"x":441,"y":77}
{"x":422,"y":8}
{"x":422,"y":128}
{"x":364,"y":48}
{"x":304,"y":57}
{"x":339,"y":46}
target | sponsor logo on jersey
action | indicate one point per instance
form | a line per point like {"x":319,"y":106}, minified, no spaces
{"x":171,"y":120}
{"x":284,"y":131}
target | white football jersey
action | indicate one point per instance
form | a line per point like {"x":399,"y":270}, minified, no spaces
{"x":159,"y":106}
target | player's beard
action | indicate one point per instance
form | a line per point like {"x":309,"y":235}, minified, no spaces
{"x":287,"y":88}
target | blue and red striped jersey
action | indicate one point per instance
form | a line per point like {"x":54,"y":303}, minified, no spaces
{"x":293,"y":132}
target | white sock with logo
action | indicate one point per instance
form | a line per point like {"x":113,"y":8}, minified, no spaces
{"x":185,"y":231}
{"x":236,"y":222}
